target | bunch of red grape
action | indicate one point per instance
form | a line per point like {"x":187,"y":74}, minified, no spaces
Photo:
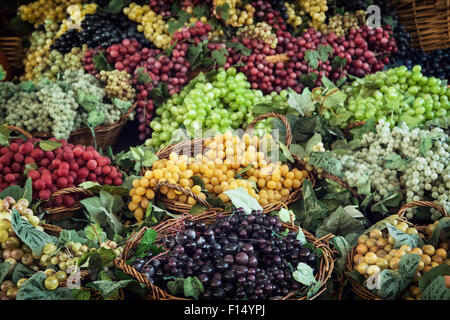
{"x":64,"y":167}
{"x":198,"y":32}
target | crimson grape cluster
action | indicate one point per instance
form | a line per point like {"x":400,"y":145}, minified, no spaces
{"x":64,"y":167}
{"x":365,"y":50}
{"x":100,"y":29}
{"x":237,"y":257}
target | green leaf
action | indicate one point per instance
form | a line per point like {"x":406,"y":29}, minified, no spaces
{"x":144,"y":245}
{"x":395,"y":162}
{"x":428,"y":277}
{"x":286,"y":152}
{"x":198,"y":181}
{"x":5,"y":268}
{"x":362,"y":185}
{"x":312,"y":291}
{"x":344,"y":248}
{"x":101,"y":63}
{"x":27,"y":86}
{"x":312,"y":57}
{"x":122,"y":104}
{"x":392,"y":283}
{"x":108,"y":288}
{"x":142,"y":76}
{"x":402,"y":238}
{"x":239,"y":47}
{"x":441,"y":231}
{"x":115,"y":6}
{"x":96,"y":118}
{"x":104,"y":210}
{"x":437,"y":290}
{"x":81,"y":294}
{"x":220,"y":56}
{"x":49,"y":145}
{"x":97,"y":259}
{"x":327,"y":161}
{"x":310,"y":211}
{"x":315,"y":139}
{"x":88,"y":101}
{"x":338,"y":62}
{"x":335,"y":99}
{"x":241,"y":199}
{"x":215,"y":202}
{"x":33,"y":289}
{"x":284,"y":215}
{"x":301,"y":103}
{"x":200,"y":11}
{"x":304,"y":274}
{"x":193,"y":287}
{"x":21,"y":271}
{"x":93,"y":231}
{"x":298,"y":150}
{"x":197,"y":208}
{"x":301,"y":236}
{"x":324,"y":52}
{"x":4,"y":135}
{"x":339,"y":223}
{"x":31,"y":236}
{"x":17,"y":192}
{"x":159,"y":94}
{"x":223,"y":11}
{"x":369,"y":126}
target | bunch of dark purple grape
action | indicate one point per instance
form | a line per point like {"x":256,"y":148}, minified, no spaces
{"x":237,"y":257}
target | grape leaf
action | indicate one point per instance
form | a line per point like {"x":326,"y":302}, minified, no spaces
{"x":304,"y":274}
{"x":327,"y":161}
{"x":441,"y":231}
{"x":286,"y":152}
{"x":27,"y":86}
{"x":21,"y":271}
{"x":338,"y":62}
{"x":220,"y":56}
{"x":145,"y":244}
{"x":314,"y":140}
{"x":18,"y":193}
{"x":200,"y":11}
{"x":312,"y":291}
{"x":31,"y":236}
{"x":108,"y":288}
{"x":343,"y":247}
{"x":193,"y":287}
{"x":122,"y":104}
{"x":101,"y":63}
{"x":437,"y":290}
{"x":81,"y":294}
{"x":362,"y":185}
{"x":284,"y":215}
{"x":341,"y":223}
{"x":96,"y":118}
{"x":4,"y":135}
{"x":301,"y":236}
{"x":49,"y":145}
{"x":238,"y":46}
{"x":143,"y":76}
{"x":402,"y":238}
{"x":223,"y":11}
{"x":337,"y":98}
{"x":33,"y":289}
{"x":369,"y":126}
{"x":323,"y":52}
{"x":115,"y":6}
{"x":312,"y":57}
{"x":5,"y":267}
{"x":301,"y":103}
{"x":241,"y":199}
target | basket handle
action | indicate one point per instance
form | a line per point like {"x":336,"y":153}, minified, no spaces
{"x":130,"y":110}
{"x":283,"y":119}
{"x":428,"y":204}
{"x":183,"y":190}
{"x":20,"y":130}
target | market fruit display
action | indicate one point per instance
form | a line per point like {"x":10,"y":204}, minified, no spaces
{"x":401,"y":160}
{"x":236,"y":257}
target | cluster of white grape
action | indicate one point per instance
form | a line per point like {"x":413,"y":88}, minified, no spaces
{"x":53,"y":107}
{"x":397,"y":160}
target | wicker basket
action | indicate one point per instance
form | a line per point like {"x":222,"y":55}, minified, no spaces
{"x":167,"y":227}
{"x":56,"y":213}
{"x":358,"y":288}
{"x":198,"y":144}
{"x":105,"y":135}
{"x":427,"y":21}
{"x":12,"y":47}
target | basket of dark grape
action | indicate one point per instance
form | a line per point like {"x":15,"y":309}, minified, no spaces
{"x":202,"y":171}
{"x":393,"y":258}
{"x":230,"y":255}
{"x":426,"y":21}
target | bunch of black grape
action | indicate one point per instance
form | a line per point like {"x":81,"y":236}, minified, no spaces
{"x":100,"y":29}
{"x":237,"y":257}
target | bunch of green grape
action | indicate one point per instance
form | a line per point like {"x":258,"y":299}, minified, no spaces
{"x":396,"y":95}
{"x":224,"y":103}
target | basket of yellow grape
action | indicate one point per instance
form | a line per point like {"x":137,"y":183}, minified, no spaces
{"x":393,"y":262}
{"x":199,"y":172}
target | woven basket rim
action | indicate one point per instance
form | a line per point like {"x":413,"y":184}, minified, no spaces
{"x":324,"y":272}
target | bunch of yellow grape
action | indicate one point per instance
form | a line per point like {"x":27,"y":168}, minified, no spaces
{"x":316,"y":10}
{"x":375,"y":252}
{"x":76,"y":16}
{"x":238,"y":15}
{"x":221,"y":168}
{"x":38,"y":11}
{"x":295,"y":18}
{"x":153,"y":26}
{"x":342,"y":24}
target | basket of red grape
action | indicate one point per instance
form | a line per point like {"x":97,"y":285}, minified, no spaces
{"x":235,"y":255}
